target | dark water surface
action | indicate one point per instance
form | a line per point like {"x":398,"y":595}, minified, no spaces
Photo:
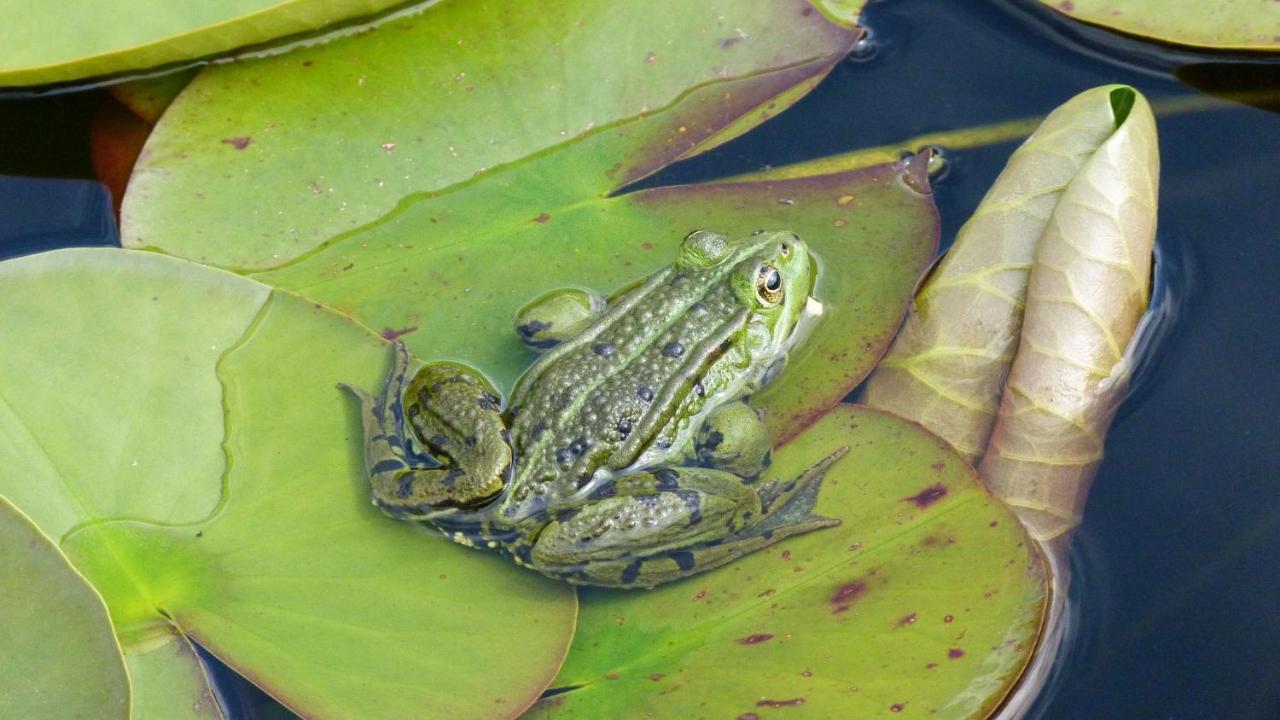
{"x":1176,"y":601}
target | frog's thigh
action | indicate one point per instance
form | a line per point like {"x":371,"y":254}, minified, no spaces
{"x":733,"y":438}
{"x":653,"y":511}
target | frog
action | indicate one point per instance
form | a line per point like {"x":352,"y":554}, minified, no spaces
{"x":627,"y":455}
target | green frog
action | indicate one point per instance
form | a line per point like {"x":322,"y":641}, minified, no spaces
{"x":626,"y":456}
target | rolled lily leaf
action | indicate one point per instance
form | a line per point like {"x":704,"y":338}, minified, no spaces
{"x":1088,"y":291}
{"x":56,"y":42}
{"x":1221,"y":24}
{"x":1053,"y":270}
{"x":948,"y":363}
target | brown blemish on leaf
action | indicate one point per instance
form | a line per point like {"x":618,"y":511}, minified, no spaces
{"x":646,"y":246}
{"x":613,"y":675}
{"x":542,"y":219}
{"x":652,"y":57}
{"x":656,"y":676}
{"x":730,"y":42}
{"x":846,"y":594}
{"x":238,"y":143}
{"x":701,"y":594}
{"x":786,"y":555}
{"x":767,"y":593}
{"x":1067,"y":5}
{"x":939,"y":466}
{"x":908,"y":619}
{"x":927,"y":496}
{"x":948,"y":618}
{"x":897,"y":707}
{"x":391,"y":333}
{"x":748,"y":716}
{"x":790,"y":702}
{"x":755,"y":639}
{"x":955,"y":653}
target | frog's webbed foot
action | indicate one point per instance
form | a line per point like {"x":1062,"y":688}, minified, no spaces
{"x":556,"y":317}
{"x":463,"y":426}
{"x":670,"y":523}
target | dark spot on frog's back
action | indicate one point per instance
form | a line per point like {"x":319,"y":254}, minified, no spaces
{"x":667,"y":479}
{"x":927,"y":496}
{"x":646,"y":393}
{"x":631,"y":572}
{"x":673,"y":349}
{"x":624,"y":428}
{"x":604,"y":349}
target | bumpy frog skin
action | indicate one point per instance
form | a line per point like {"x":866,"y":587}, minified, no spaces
{"x":625,"y":457}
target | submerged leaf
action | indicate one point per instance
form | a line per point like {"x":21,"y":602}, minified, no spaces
{"x":59,"y":656}
{"x":54,"y":42}
{"x":926,"y":600}
{"x":1221,"y":24}
{"x":207,"y":482}
{"x":1089,"y":288}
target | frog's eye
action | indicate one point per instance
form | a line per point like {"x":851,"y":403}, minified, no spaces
{"x":769,"y":285}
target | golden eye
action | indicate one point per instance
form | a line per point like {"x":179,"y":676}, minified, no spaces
{"x":769,"y":285}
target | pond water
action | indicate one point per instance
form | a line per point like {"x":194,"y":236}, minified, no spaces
{"x":1175,"y":606}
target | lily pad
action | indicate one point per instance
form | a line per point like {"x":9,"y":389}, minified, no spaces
{"x":60,"y":657}
{"x":927,"y":600}
{"x":206,"y":482}
{"x":1220,"y":24}
{"x":467,"y":190}
{"x":55,"y":42}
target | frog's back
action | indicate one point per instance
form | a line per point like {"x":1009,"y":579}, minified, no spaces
{"x":630,"y":382}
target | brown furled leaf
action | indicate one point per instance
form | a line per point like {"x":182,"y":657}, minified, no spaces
{"x":946,"y":368}
{"x":1089,"y":288}
{"x":1049,"y":275}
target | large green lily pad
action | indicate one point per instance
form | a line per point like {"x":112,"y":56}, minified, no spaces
{"x":408,"y":179}
{"x":926,"y":601}
{"x":60,"y":657}
{"x":54,"y":42}
{"x":1221,"y":24}
{"x":178,"y":431}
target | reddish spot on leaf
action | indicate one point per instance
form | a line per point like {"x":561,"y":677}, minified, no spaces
{"x":767,"y":593}
{"x":701,"y":594}
{"x":897,"y":707}
{"x":238,"y":143}
{"x":647,"y":245}
{"x":938,"y":466}
{"x":930,"y":666}
{"x":612,"y":675}
{"x":993,"y":523}
{"x":786,"y":555}
{"x":907,"y":620}
{"x":927,"y":496}
{"x":948,"y":618}
{"x":1067,"y":5}
{"x":791,"y":702}
{"x":748,"y":716}
{"x":755,"y":639}
{"x":656,"y":676}
{"x":542,"y":219}
{"x":392,"y":334}
{"x":954,"y":653}
{"x":846,"y":594}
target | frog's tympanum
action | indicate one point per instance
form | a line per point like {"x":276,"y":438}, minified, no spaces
{"x":627,"y":456}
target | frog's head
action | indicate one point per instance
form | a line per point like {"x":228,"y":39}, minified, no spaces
{"x":772,"y":275}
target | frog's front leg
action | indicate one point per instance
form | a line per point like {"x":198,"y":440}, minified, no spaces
{"x":556,"y":317}
{"x":668,"y":523}
{"x":433,"y":441}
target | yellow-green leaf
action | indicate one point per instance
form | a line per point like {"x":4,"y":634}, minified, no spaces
{"x":47,"y":42}
{"x":1220,"y":24}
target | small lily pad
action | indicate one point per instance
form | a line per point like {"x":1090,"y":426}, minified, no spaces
{"x":927,"y":600}
{"x":205,"y":480}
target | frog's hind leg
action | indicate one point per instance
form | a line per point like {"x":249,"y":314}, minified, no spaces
{"x":674,"y":522}
{"x":406,"y":481}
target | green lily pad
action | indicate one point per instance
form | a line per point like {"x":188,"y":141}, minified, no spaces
{"x":927,"y":600}
{"x":1220,"y":24}
{"x":467,"y":190}
{"x":205,"y":479}
{"x":55,"y":42}
{"x":60,"y":657}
